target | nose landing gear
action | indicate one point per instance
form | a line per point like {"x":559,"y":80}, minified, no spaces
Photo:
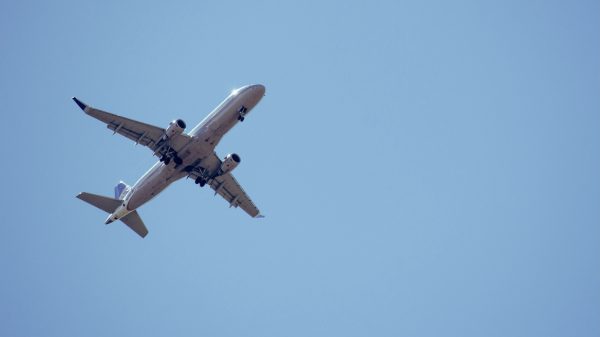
{"x":242,"y":111}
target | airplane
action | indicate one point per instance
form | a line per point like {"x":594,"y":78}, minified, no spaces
{"x":180,"y":154}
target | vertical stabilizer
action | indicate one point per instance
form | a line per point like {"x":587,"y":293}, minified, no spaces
{"x":121,"y":190}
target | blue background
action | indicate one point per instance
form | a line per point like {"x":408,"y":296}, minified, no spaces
{"x":427,"y":168}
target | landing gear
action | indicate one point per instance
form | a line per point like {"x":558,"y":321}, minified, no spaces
{"x":202,"y":175}
{"x":242,"y":111}
{"x":200,"y":181}
{"x":167,"y":160}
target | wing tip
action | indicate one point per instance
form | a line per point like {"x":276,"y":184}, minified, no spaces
{"x":259,"y":216}
{"x":79,"y":103}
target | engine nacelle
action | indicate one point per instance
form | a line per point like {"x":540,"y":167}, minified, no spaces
{"x":176,"y":127}
{"x":230,"y":162}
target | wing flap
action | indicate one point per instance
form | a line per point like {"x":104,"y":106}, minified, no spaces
{"x":141,"y":133}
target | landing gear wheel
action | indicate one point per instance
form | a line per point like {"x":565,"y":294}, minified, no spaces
{"x":178,"y":160}
{"x":167,"y":161}
{"x":200,"y":181}
{"x":241,"y":118}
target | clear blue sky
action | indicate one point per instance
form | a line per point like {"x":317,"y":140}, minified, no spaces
{"x":427,"y":168}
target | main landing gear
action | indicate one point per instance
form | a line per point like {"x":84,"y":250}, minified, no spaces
{"x":202,"y":175}
{"x":167,"y":160}
{"x":200,"y":181}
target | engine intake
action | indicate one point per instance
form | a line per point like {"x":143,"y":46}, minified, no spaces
{"x":176,"y":127}
{"x":230,"y":162}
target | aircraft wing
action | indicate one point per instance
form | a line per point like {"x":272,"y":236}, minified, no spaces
{"x":227,"y":187}
{"x":141,"y":133}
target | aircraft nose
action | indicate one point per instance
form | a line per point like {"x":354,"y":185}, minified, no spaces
{"x":259,"y":89}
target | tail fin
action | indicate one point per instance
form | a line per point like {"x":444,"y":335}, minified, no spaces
{"x":106,"y":204}
{"x":121,"y":190}
{"x":109,"y":205}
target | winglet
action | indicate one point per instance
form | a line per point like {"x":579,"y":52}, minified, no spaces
{"x":80,"y":103}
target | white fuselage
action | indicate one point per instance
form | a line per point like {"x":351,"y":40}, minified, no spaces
{"x":205,"y":137}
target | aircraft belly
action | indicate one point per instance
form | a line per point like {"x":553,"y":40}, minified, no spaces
{"x":145,"y":193}
{"x":210,"y":137}
{"x":152,"y":186}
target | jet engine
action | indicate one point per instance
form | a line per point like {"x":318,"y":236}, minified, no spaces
{"x":176,"y":127}
{"x":230,"y":162}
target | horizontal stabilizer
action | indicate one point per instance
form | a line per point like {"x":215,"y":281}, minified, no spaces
{"x":133,"y":221}
{"x":106,"y":204}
